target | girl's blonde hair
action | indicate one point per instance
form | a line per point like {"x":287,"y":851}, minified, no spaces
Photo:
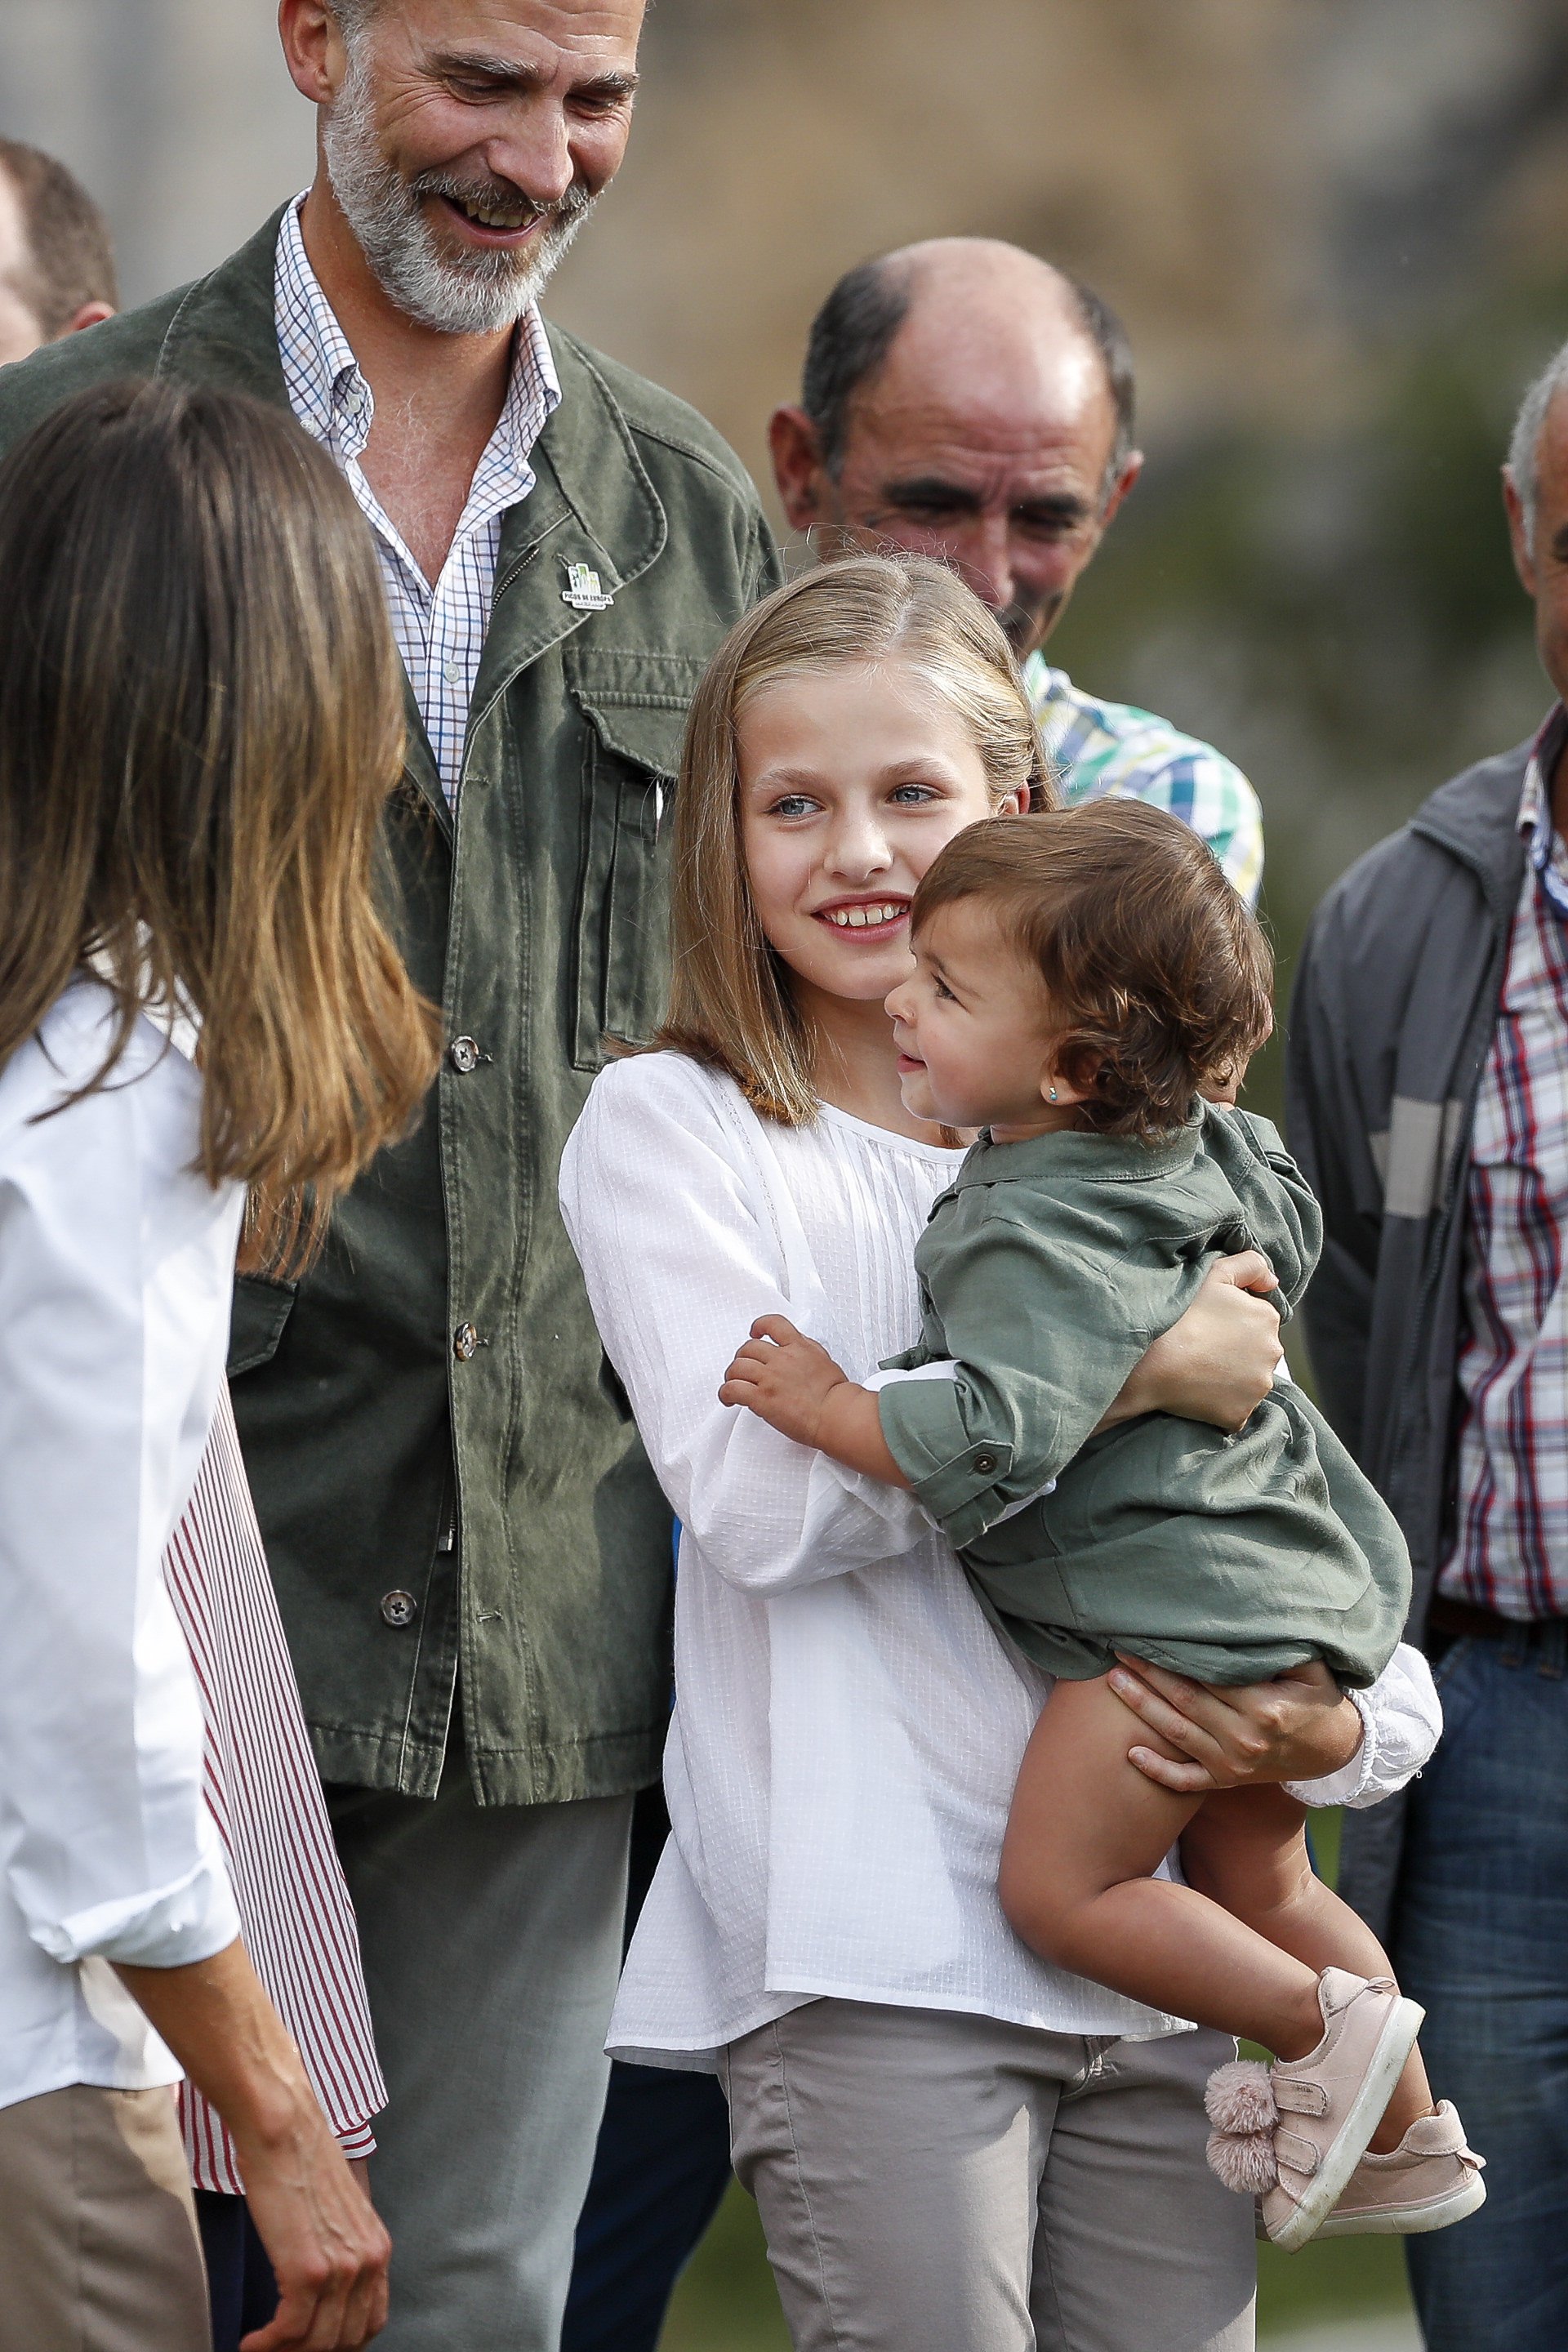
{"x":730,"y":1003}
{"x":200,"y":719}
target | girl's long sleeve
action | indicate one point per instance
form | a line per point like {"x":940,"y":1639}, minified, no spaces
{"x":656,"y":1183}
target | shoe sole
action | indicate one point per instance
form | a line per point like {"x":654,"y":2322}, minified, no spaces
{"x":1328,"y":2184}
{"x":1408,"y":2221}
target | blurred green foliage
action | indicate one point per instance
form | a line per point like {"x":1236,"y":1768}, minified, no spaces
{"x":1337,"y":610}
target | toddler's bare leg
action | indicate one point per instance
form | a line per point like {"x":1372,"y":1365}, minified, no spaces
{"x":1085,"y":1832}
{"x":1246,"y":1849}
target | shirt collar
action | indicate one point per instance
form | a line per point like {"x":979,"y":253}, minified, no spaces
{"x":1544,"y":849}
{"x":331,"y":399}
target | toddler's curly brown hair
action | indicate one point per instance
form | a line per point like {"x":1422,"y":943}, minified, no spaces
{"x":1158,"y":978}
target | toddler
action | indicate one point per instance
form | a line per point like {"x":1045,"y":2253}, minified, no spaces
{"x":1082,"y":980}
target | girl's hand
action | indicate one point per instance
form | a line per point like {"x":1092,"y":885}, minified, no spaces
{"x":1300,"y":1728}
{"x":785,"y":1379}
{"x":1218,"y":1363}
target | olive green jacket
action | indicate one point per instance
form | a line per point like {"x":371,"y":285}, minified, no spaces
{"x":1045,"y":1272}
{"x":444,"y":1470}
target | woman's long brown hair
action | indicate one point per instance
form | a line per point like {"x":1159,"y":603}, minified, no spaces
{"x":200,"y":719}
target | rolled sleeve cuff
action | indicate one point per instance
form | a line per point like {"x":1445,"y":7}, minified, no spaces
{"x":170,"y":1928}
{"x":958,"y":1480}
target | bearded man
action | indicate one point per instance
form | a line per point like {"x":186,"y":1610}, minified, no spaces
{"x":470,"y":1554}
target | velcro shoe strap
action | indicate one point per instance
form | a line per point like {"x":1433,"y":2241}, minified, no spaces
{"x":1293,"y":2096}
{"x":1295,"y":2154}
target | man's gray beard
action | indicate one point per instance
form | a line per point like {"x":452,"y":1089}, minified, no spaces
{"x":478,"y":295}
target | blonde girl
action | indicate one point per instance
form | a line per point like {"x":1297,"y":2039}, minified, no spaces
{"x":955,"y":2147}
{"x":200,"y":720}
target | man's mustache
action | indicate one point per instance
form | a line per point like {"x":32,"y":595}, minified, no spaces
{"x":500,"y":195}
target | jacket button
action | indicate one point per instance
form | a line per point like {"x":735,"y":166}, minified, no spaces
{"x":464,"y":1342}
{"x":464,"y":1054}
{"x":986,"y":1464}
{"x":399,"y":1609}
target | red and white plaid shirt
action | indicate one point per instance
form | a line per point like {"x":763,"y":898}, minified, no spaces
{"x":1511,"y":1548}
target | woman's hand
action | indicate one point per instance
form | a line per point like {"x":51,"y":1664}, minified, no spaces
{"x":327,"y":2247}
{"x":1300,"y":1728}
{"x":1218,"y":1363}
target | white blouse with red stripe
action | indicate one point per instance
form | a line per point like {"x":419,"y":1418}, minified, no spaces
{"x":265,"y":1796}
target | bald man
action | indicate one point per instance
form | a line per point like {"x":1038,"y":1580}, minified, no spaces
{"x":965,"y":400}
{"x":57,"y":264}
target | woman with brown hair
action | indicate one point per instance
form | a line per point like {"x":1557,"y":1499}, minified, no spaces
{"x":954,"y":2146}
{"x":200,"y":721}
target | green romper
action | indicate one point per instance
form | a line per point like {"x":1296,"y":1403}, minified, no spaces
{"x":1045,"y":1272}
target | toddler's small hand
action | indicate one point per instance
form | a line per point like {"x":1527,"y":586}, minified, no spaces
{"x":783,"y":1378}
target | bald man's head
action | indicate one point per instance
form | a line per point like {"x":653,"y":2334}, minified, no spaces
{"x":957,"y":282}
{"x":965,"y":399}
{"x":57,"y":264}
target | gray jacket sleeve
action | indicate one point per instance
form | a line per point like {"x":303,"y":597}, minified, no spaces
{"x":1328,"y":1126}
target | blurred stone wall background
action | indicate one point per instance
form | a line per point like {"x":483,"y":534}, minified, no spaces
{"x":1336,"y":229}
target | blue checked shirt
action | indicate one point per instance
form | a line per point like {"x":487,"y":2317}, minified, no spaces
{"x":439,"y":627}
{"x":1102,"y":749}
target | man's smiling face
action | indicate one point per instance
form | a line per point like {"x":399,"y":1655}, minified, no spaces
{"x":468,"y":140}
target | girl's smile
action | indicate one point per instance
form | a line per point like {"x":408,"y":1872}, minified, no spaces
{"x":868,"y":919}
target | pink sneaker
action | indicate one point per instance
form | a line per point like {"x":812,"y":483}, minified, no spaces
{"x":1430,"y":2180}
{"x":1292,"y":2134}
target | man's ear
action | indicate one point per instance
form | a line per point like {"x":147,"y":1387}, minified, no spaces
{"x":1124,"y":482}
{"x":92,"y":314}
{"x":798,"y":469}
{"x":312,"y":48}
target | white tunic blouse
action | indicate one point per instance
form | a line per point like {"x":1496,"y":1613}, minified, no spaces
{"x":847,"y":1728}
{"x":116,"y":1277}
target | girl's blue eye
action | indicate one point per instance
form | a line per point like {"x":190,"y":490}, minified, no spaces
{"x":791,"y":805}
{"x":912,"y":794}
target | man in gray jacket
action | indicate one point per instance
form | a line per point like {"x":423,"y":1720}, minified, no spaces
{"x":1428,"y":1095}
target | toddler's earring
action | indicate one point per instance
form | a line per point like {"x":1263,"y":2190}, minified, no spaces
{"x":1052,"y":1094}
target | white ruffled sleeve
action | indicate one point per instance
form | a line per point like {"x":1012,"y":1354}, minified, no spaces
{"x":1402,"y":1720}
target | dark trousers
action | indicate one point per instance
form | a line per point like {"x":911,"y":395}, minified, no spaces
{"x":240,"y":2284}
{"x":1482,"y":1941}
{"x":661,"y":2167}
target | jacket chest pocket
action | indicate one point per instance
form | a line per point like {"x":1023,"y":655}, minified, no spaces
{"x":634,"y":708}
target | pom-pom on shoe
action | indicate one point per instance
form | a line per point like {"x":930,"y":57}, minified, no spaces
{"x":1241,"y":2106}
